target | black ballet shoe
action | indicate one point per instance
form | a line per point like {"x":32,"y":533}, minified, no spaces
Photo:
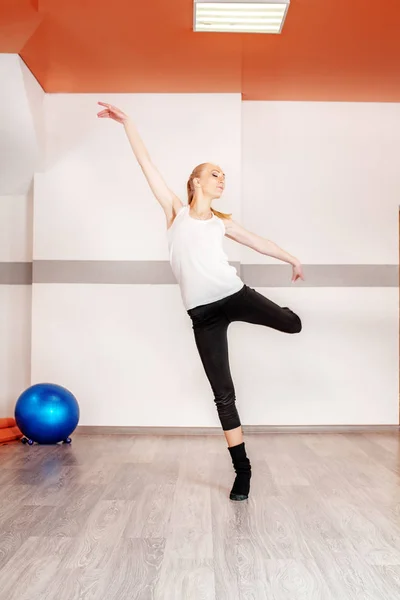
{"x":241,"y":464}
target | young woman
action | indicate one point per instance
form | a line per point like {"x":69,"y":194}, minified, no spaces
{"x":212,"y":292}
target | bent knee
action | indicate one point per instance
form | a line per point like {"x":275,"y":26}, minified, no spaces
{"x":296,"y":325}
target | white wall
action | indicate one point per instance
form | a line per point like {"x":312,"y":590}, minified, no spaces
{"x":21,"y":140}
{"x":21,"y":153}
{"x":126,"y":351}
{"x":15,"y":301}
{"x":342,"y":369}
{"x":15,"y":329}
{"x":319,"y":179}
{"x":322,"y":181}
{"x":93,"y":201}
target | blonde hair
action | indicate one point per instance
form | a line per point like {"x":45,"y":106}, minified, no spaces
{"x":197,"y":171}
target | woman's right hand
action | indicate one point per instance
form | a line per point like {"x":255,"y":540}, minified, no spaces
{"x":112,"y":112}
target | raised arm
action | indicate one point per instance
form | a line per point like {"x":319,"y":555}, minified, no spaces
{"x":239,"y":234}
{"x":167,"y":199}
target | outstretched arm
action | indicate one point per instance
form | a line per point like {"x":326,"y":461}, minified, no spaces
{"x":168,"y":200}
{"x":239,"y":234}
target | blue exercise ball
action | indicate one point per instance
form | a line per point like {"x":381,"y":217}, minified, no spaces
{"x":47,"y":413}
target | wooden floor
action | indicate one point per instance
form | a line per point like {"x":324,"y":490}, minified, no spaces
{"x":146,"y":517}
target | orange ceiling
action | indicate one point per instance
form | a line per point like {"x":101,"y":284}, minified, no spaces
{"x":338,"y":50}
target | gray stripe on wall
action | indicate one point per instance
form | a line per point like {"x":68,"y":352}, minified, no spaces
{"x":159,"y":272}
{"x":15,"y":273}
{"x":109,"y":272}
{"x":322,"y":275}
{"x":93,"y":271}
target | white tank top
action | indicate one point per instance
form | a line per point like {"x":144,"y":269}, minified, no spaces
{"x":198,"y":260}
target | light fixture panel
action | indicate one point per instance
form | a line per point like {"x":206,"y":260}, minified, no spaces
{"x":242,"y":16}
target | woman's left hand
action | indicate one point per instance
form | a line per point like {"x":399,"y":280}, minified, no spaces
{"x":297,"y":272}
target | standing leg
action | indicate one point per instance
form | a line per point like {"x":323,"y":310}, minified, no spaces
{"x":212,"y":344}
{"x":211,"y":336}
{"x":234,"y":436}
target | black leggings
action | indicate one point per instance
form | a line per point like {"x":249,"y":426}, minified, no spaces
{"x":210,"y":326}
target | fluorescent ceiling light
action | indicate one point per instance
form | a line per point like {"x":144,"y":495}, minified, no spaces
{"x":240,"y":16}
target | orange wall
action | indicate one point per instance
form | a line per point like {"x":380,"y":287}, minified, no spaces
{"x":344,"y":50}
